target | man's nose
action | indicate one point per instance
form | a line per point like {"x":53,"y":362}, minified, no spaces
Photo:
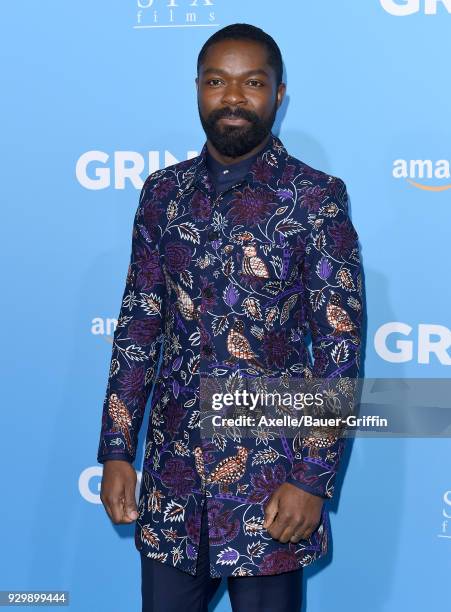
{"x":233,"y":95}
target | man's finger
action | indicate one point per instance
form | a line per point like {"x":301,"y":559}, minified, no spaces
{"x":279,"y":525}
{"x":130,"y":510}
{"x":287,"y":533}
{"x":299,"y":535}
{"x":302,"y":532}
{"x":271,"y":509}
{"x":117,"y":508}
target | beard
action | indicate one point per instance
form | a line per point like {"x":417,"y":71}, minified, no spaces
{"x":236,"y":140}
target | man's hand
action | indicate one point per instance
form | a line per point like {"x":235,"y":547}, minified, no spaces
{"x":117,"y":491}
{"x":292,"y":514}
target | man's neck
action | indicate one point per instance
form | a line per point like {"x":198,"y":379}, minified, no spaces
{"x":226,"y":160}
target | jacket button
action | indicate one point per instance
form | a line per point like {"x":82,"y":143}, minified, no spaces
{"x":212,"y":235}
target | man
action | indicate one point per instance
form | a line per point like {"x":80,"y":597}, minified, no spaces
{"x":236,"y":255}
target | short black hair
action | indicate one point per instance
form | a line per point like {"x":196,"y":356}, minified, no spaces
{"x":245,"y":31}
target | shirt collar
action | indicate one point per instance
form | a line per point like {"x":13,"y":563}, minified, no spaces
{"x":273,"y":153}
{"x":228,"y":171}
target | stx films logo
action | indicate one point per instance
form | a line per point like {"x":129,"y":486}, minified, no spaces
{"x":401,"y":8}
{"x":175,"y":14}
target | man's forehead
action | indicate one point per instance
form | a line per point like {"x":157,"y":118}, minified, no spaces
{"x":249,"y":55}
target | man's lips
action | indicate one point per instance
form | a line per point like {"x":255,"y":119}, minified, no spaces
{"x":234,"y":120}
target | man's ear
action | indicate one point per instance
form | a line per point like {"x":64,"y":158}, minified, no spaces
{"x":196,"y":80}
{"x":281,"y":89}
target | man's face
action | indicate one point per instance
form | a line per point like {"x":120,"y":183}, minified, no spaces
{"x":237,"y":96}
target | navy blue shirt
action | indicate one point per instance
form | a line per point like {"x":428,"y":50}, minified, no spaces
{"x":224,"y":176}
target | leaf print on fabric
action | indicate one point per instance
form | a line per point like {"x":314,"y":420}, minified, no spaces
{"x":158,"y":556}
{"x":287,"y":307}
{"x":151,"y":304}
{"x":174,"y":512}
{"x":324,"y":268}
{"x":345,"y":279}
{"x":230,"y":295}
{"x":283,"y":194}
{"x":289,"y":227}
{"x":265,"y":456}
{"x":228,"y":556}
{"x":317,"y":299}
{"x":188,"y":230}
{"x":149,"y":536}
{"x":186,"y":278}
{"x":219,"y":324}
{"x":340,"y":353}
{"x":276,"y":262}
{"x":256,"y":549}
{"x":253,"y":526}
{"x":172,"y":210}
{"x":228,"y":267}
{"x":252,"y":308}
{"x":271,"y":316}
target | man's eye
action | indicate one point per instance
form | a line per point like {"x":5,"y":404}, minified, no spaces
{"x":214,"y":82}
{"x":255,"y":83}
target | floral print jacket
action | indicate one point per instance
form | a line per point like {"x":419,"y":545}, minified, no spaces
{"x":229,"y":285}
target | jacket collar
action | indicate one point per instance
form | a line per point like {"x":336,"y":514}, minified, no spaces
{"x":273,"y":155}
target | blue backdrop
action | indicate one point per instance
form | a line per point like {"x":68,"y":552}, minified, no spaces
{"x":98,"y":94}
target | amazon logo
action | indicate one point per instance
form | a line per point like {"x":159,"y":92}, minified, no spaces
{"x":418,"y":171}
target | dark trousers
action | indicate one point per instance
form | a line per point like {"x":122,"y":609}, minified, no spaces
{"x":167,"y":589}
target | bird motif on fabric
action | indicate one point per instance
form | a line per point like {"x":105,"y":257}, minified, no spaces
{"x":337,"y":316}
{"x":316,"y":442}
{"x":184,"y":303}
{"x":227,"y":471}
{"x":121,"y":418}
{"x":253,"y":265}
{"x":239,"y":347}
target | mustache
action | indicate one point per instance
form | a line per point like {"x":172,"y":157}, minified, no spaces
{"x":229,"y":113}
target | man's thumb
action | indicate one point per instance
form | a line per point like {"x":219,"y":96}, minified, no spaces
{"x":130,"y":504}
{"x":271,"y":509}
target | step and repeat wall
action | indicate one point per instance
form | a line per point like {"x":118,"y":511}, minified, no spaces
{"x":96,"y":95}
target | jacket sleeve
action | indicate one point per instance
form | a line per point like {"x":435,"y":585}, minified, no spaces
{"x":137,"y":337}
{"x":332,"y":275}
